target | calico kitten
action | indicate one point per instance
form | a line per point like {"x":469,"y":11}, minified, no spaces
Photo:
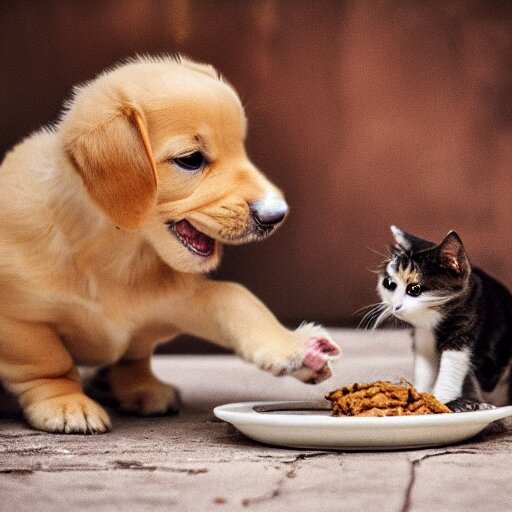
{"x":462,"y":319}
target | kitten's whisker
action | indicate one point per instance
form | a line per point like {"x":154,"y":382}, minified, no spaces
{"x":437,"y":301}
{"x":369,"y":307}
{"x":375,"y":311}
{"x":389,"y":250}
{"x":377,"y":252}
{"x":383,"y":316}
{"x":366,"y":320}
{"x":368,"y":316}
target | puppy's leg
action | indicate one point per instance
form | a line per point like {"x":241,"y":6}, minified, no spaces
{"x":133,"y":385}
{"x":39,"y":371}
{"x":228,"y":314}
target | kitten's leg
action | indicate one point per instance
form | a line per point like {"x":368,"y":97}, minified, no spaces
{"x":454,"y":367}
{"x":425,"y":370}
{"x":426,"y":362}
{"x":471,"y":398}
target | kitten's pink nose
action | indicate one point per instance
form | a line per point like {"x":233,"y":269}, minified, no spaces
{"x":397,"y":307}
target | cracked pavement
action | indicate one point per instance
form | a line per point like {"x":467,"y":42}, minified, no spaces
{"x":193,"y":461}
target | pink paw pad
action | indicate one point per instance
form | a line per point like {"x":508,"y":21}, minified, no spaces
{"x":318,"y":352}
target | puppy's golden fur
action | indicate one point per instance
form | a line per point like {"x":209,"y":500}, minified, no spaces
{"x":105,"y":237}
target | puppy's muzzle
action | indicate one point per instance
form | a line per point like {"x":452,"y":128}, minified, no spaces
{"x":269,"y":212}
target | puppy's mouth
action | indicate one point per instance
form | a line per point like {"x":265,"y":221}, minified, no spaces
{"x":195,"y":241}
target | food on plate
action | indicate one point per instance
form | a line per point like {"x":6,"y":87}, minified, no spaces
{"x":383,"y":398}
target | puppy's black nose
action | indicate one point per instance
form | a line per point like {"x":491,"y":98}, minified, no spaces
{"x":269,"y":211}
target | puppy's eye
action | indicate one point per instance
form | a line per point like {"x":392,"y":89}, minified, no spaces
{"x":413,"y":290}
{"x":193,"y":162}
{"x":388,"y":284}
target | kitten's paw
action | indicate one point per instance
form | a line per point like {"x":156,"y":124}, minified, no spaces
{"x":306,"y":357}
{"x":70,"y":414}
{"x":466,"y":405}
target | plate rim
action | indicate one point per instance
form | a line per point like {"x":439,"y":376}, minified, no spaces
{"x":243,"y":413}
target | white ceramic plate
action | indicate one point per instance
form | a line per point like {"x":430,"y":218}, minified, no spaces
{"x":310,"y":425}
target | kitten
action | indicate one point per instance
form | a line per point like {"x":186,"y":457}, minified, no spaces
{"x":462,"y":319}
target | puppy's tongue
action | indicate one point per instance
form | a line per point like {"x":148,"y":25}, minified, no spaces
{"x":200,"y":242}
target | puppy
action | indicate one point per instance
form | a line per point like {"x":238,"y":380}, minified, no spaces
{"x":109,"y":221}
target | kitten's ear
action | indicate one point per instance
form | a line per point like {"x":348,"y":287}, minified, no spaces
{"x":409,"y":242}
{"x":395,"y":250}
{"x":452,"y":254}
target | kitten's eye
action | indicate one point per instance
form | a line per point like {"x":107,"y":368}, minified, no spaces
{"x":193,"y":162}
{"x":413,"y":290}
{"x":388,"y":284}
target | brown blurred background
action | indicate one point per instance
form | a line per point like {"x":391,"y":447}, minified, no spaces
{"x":365,"y":113}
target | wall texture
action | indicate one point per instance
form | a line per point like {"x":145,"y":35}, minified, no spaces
{"x":365,"y":113}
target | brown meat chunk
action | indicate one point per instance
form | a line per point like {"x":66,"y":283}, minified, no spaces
{"x":383,"y":398}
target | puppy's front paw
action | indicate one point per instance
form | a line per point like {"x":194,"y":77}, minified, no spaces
{"x":134,"y":389}
{"x":70,"y":414}
{"x":320,"y":349}
{"x":318,"y":352}
{"x":307,"y":356}
{"x":152,"y":398}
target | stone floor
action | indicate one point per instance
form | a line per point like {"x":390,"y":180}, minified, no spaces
{"x":195,"y":462}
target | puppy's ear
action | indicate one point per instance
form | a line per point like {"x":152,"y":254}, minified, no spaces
{"x":114,"y":158}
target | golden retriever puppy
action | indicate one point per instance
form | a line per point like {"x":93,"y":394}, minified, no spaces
{"x":108,"y":222}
